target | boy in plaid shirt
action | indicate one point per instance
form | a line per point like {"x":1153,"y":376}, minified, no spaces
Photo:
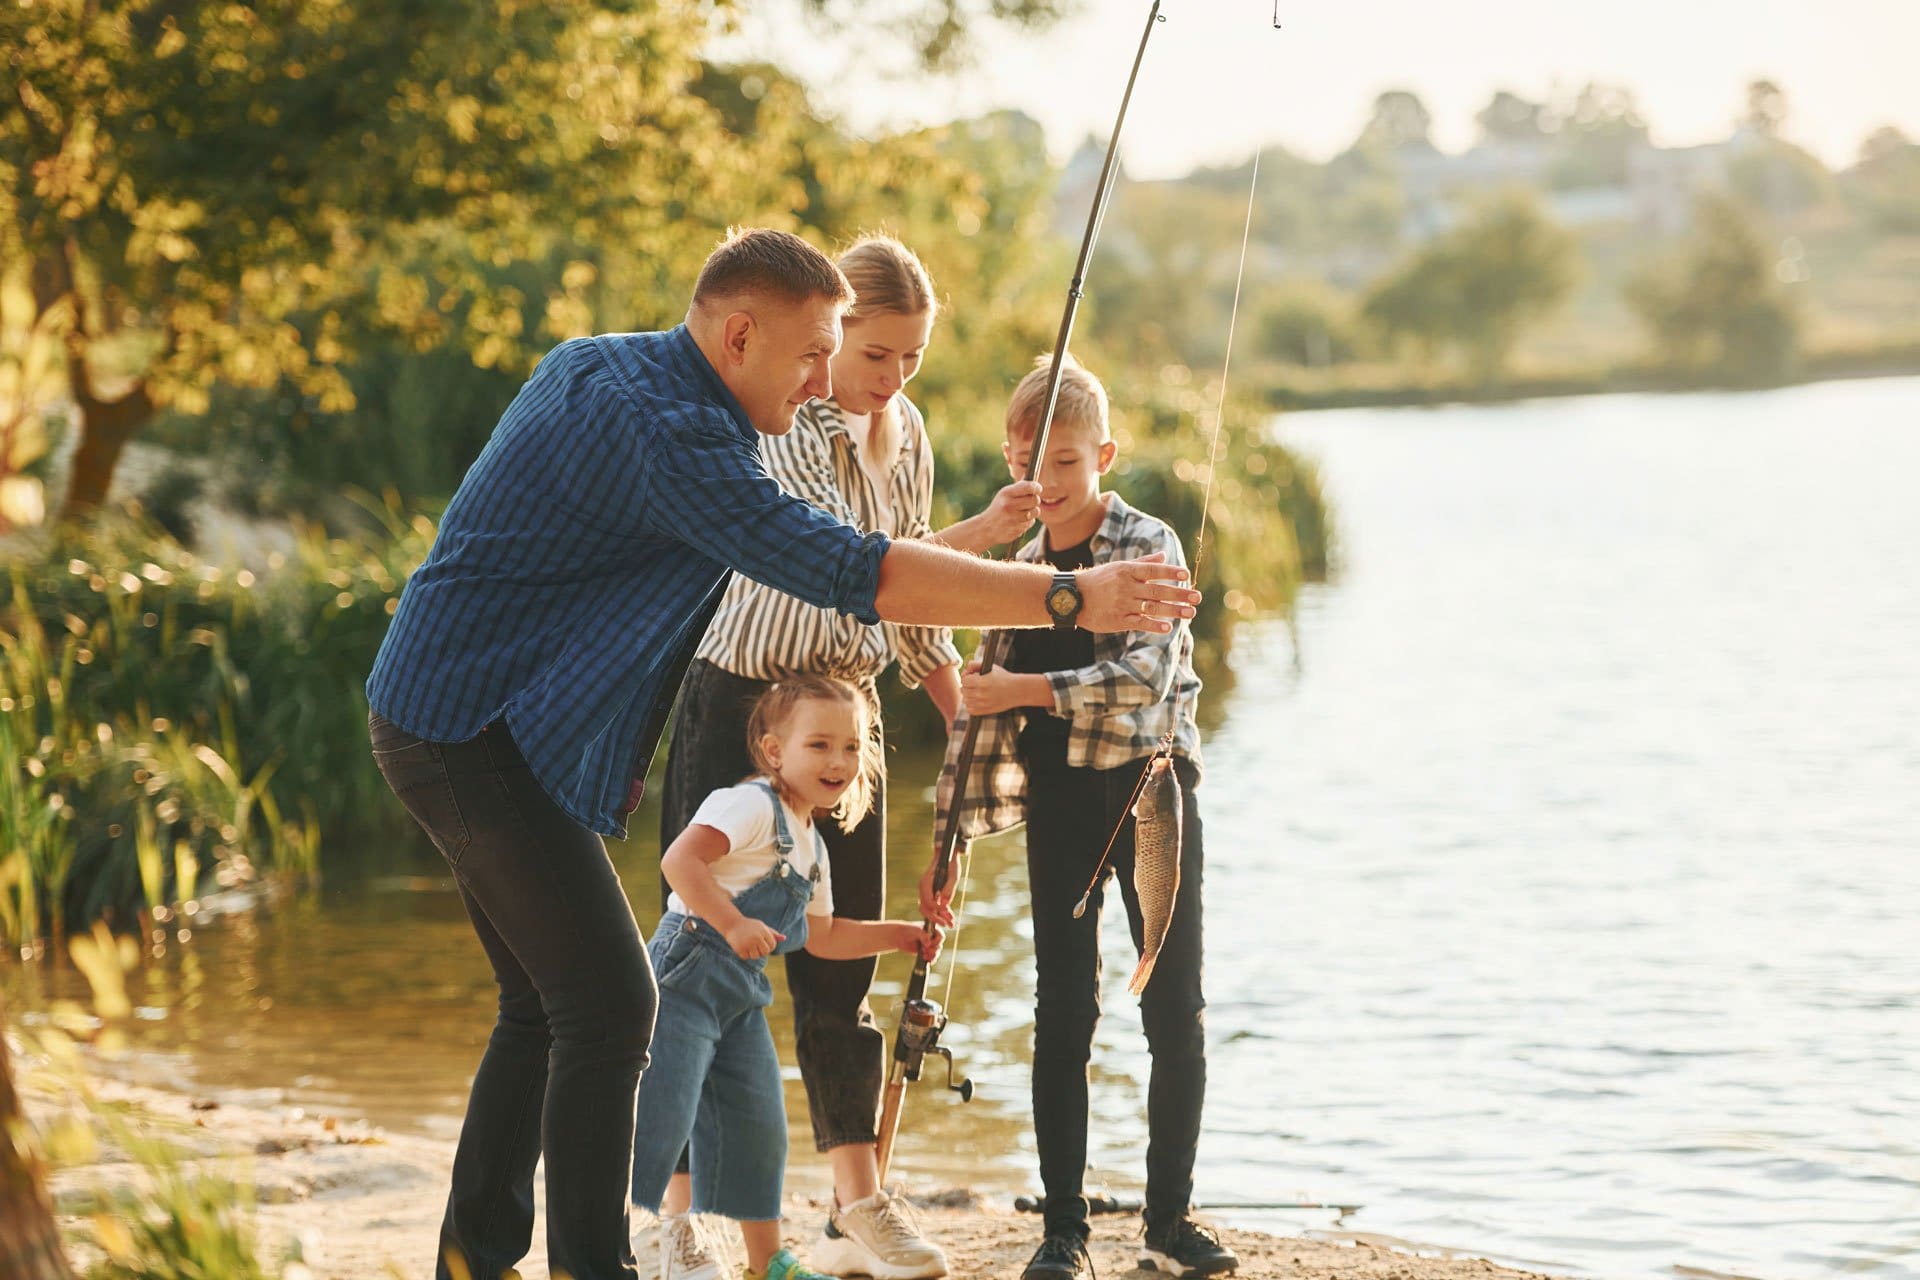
{"x":1067,"y":725}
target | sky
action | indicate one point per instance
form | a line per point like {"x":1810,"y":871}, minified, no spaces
{"x":1219,"y":80}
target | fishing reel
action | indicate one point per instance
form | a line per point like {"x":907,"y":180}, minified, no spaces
{"x":921,"y":1022}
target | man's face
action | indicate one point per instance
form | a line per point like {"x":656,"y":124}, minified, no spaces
{"x":780,"y":354}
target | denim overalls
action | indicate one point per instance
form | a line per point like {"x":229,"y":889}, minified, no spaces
{"x":714,"y":1074}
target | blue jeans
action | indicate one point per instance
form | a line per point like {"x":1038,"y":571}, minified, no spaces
{"x":576,"y":1008}
{"x":714,"y":1076}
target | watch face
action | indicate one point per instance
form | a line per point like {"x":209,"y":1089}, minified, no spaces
{"x":1061,"y":601}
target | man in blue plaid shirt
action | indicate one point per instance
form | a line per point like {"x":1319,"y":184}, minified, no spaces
{"x":523,"y":685}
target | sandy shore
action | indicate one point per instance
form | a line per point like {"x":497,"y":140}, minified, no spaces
{"x":362,"y":1202}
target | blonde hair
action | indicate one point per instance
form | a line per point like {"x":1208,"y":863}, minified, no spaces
{"x":775,"y":707}
{"x":1082,"y":401}
{"x":887,"y":279}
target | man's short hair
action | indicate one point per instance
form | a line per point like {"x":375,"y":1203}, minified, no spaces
{"x":765,"y":262}
{"x":1081,"y":402}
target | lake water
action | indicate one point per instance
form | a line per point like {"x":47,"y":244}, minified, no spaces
{"x":1564,"y":870}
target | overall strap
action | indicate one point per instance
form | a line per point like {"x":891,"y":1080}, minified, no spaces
{"x":783,"y":835}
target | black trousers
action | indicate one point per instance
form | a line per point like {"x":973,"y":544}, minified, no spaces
{"x":840,"y":1048}
{"x":1070,"y":814}
{"x":577,"y":1001}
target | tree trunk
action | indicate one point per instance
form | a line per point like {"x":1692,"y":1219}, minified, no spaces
{"x":105,"y":425}
{"x":29,"y":1242}
{"x":105,"y":428}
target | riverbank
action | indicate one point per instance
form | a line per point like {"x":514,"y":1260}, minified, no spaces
{"x":1379,"y":387}
{"x":363,"y":1202}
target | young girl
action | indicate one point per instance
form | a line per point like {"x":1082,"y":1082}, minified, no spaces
{"x":749,"y":878}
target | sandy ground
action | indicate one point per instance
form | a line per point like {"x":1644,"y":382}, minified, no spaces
{"x":364,"y":1203}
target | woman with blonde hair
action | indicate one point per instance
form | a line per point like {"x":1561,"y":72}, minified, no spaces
{"x":862,"y":455}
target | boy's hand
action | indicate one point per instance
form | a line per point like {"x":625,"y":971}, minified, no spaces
{"x":918,"y":941}
{"x":937,"y":907}
{"x":753,"y":939}
{"x":1011,"y":512}
{"x":991,"y":692}
{"x":1135,"y":595}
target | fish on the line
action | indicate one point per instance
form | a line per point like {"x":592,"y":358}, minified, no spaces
{"x":1157,"y":815}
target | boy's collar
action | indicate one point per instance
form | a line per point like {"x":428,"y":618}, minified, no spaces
{"x":1103,"y":537}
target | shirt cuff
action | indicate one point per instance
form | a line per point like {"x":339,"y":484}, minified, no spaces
{"x":918,"y":661}
{"x":1063,"y":686}
{"x":858,"y":580}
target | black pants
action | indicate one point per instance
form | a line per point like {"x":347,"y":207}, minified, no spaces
{"x":841,"y":1050}
{"x":1070,"y":814}
{"x":576,"y":1009}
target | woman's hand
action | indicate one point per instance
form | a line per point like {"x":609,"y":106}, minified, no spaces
{"x":986,"y":693}
{"x":753,"y":939}
{"x":1011,"y":512}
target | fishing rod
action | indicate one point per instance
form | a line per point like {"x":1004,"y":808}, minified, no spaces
{"x":922,"y":1020}
{"x":1104,"y":1205}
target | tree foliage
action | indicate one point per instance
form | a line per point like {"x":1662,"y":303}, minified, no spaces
{"x":1718,"y":301}
{"x":1477,"y":286}
{"x":257,"y":190}
{"x":1598,"y":131}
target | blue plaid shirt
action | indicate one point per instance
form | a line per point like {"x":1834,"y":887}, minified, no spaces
{"x":578,"y":564}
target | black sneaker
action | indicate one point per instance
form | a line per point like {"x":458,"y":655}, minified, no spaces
{"x":1060,"y":1254}
{"x":1185,"y":1247}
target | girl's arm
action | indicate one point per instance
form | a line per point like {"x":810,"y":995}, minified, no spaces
{"x":687,"y":864}
{"x":838,"y":938}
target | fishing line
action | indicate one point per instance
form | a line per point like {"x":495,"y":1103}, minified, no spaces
{"x":1200,"y":539}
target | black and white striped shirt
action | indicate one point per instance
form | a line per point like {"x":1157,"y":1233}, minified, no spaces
{"x":764,"y":634}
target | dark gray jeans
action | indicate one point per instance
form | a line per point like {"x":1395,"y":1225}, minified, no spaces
{"x":841,"y":1050}
{"x":577,"y":1002}
{"x":1070,"y":813}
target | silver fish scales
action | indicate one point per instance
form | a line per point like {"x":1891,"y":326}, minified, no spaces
{"x":1158,"y":815}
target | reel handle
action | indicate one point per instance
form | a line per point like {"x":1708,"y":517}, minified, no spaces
{"x":965,"y":1087}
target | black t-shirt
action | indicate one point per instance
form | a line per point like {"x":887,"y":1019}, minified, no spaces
{"x":1043,"y":739}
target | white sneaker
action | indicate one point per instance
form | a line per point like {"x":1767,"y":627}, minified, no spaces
{"x":875,"y":1237}
{"x":686,"y":1253}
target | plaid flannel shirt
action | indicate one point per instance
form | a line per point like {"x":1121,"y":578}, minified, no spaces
{"x":1140,"y":685}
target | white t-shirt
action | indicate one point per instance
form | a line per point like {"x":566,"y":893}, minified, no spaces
{"x":744,"y":815}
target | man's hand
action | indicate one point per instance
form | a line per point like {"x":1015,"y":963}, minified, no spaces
{"x":1134,"y":595}
{"x":753,"y":939}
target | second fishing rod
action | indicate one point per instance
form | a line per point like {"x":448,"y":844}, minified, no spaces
{"x":922,"y":1020}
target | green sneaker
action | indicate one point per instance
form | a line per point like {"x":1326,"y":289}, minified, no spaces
{"x":784,"y":1266}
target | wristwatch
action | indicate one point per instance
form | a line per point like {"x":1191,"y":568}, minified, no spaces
{"x":1063,"y":601}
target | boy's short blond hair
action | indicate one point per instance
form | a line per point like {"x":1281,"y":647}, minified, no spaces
{"x":1082,"y":401}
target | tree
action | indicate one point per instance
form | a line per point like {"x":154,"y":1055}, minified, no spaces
{"x":1479,"y":285}
{"x":1885,"y":185}
{"x":1598,"y":131}
{"x":242,"y":194}
{"x":1399,"y":119}
{"x":1511,"y":118}
{"x":1718,"y":302}
{"x":29,"y":1241}
{"x":1766,"y":111}
{"x":943,"y":33}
